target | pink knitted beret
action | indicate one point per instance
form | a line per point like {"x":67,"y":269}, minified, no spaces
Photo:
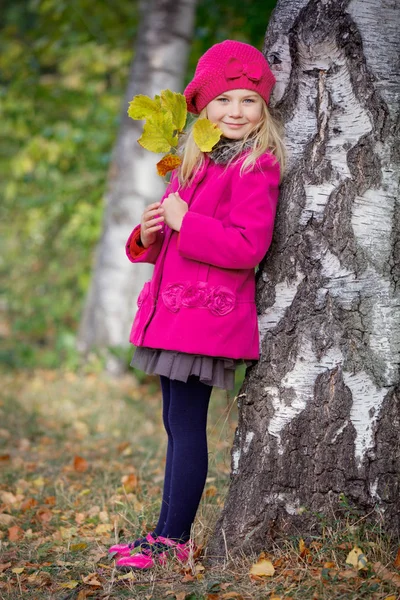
{"x":227,"y":66}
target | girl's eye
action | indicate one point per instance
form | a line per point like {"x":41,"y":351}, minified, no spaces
{"x":250,"y":100}
{"x":222,"y":99}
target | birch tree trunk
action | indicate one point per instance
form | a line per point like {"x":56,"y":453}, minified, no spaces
{"x":319,"y":416}
{"x":161,"y":53}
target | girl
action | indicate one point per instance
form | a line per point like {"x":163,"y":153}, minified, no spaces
{"x":196,"y":319}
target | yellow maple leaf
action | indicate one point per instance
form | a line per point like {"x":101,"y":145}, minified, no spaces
{"x":159,"y":134}
{"x":69,"y":585}
{"x":262,"y":568}
{"x":168,"y":163}
{"x":144,"y":107}
{"x":176,"y":105}
{"x":357,"y":559}
{"x":206,"y":134}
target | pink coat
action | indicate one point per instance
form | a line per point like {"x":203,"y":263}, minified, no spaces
{"x":201,"y":298}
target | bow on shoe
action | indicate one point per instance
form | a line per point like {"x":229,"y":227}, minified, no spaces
{"x":235,"y":68}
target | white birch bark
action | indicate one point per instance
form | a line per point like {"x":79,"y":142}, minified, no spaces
{"x":319,"y":416}
{"x":160,"y":60}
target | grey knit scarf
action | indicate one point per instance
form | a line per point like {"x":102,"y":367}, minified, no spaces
{"x":226,"y":150}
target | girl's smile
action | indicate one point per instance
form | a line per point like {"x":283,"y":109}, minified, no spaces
{"x":235,"y":112}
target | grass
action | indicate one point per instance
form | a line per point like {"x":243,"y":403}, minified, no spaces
{"x":81,"y":461}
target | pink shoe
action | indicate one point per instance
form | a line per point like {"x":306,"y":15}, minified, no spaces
{"x":159,"y":556}
{"x":126,"y":549}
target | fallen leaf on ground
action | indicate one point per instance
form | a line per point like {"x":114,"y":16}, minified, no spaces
{"x":397,"y":560}
{"x":78,"y":547}
{"x":15,"y":533}
{"x":356,"y":558}
{"x":4,"y":566}
{"x":92,"y":580}
{"x":18,"y":570}
{"x":130,"y":482}
{"x":211,"y":491}
{"x":6,"y":519}
{"x":28,"y":503}
{"x":128,"y":576}
{"x":69,"y":585}
{"x":348,"y":574}
{"x":80,"y":464}
{"x":386,"y":575}
{"x":44,"y":515}
{"x":262,"y":568}
{"x":103,"y":528}
{"x":40,"y":579}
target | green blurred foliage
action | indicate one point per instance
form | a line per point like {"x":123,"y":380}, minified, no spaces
{"x":63,"y":72}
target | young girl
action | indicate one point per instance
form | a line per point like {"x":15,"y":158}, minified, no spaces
{"x":197,"y":319}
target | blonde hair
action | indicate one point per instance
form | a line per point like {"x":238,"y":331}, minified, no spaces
{"x":267,"y":135}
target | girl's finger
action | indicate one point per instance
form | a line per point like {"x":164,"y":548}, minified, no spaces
{"x":155,"y":220}
{"x":153,"y":229}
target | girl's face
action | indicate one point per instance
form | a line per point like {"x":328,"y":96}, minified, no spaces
{"x":236,"y":112}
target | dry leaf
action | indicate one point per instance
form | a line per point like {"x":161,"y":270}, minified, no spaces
{"x":348,"y":574}
{"x":18,"y":570}
{"x":262,"y":568}
{"x":130,"y":482}
{"x":180,"y":596}
{"x":228,"y":595}
{"x":28,"y":504}
{"x":44,"y":515}
{"x":91,"y":580}
{"x":4,"y":457}
{"x":78,"y":547}
{"x":39,"y":482}
{"x":9,"y":498}
{"x":6,"y":519}
{"x":15,"y":533}
{"x":391,"y":598}
{"x":386,"y":575}
{"x":166,"y":164}
{"x":397,"y":560}
{"x":303,"y":548}
{"x":50,"y":500}
{"x":69,"y":585}
{"x":356,"y":558}
{"x":4,"y":566}
{"x":129,"y":575}
{"x":80,"y":464}
{"x":211,"y":491}
{"x":40,"y":578}
{"x":103,"y":528}
{"x":329,"y":565}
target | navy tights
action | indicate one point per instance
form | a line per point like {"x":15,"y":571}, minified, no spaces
{"x":185,"y":407}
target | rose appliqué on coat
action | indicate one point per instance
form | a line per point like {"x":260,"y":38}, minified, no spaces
{"x":143,"y":294}
{"x":196,"y":295}
{"x":222,"y":301}
{"x":219,"y":300}
{"x":172,"y":296}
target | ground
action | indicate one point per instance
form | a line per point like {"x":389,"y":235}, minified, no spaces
{"x":81,"y":461}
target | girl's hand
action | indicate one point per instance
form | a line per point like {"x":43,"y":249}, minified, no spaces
{"x":152,"y":221}
{"x":174,"y":210}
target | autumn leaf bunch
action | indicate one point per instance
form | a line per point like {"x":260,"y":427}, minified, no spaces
{"x":165,"y":121}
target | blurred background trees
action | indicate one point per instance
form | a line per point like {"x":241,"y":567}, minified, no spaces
{"x":64,"y":70}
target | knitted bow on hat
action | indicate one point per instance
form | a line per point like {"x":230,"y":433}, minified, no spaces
{"x":235,"y":68}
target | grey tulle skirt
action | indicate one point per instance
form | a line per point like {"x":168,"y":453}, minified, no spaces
{"x":218,"y":372}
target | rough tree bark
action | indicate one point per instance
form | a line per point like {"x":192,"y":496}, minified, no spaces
{"x":161,"y":52}
{"x":319,"y":416}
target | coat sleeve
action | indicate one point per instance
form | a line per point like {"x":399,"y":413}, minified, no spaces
{"x":138,"y":254}
{"x":242,"y":240}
